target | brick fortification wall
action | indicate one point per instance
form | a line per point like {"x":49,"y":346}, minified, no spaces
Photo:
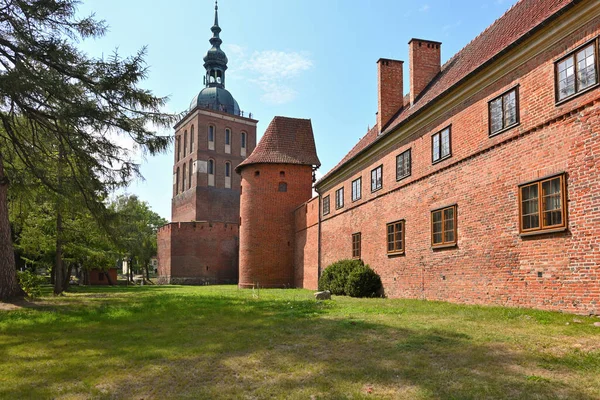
{"x":267,"y":229}
{"x":492,"y":263}
{"x":306,"y":252}
{"x":198,"y":253}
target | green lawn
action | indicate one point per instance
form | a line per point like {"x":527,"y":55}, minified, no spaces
{"x":221,"y":342}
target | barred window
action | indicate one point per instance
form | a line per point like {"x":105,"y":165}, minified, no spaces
{"x":192,"y":139}
{"x":403,"y":165}
{"x":504,"y":111}
{"x":227,"y":136}
{"x":443,"y":227}
{"x":440,"y":145}
{"x":577,"y":71}
{"x":542,"y":205}
{"x":243,"y":140}
{"x":356,"y":239}
{"x":211,"y":133}
{"x":377,"y":178}
{"x":395,"y":237}
{"x":326,"y":205}
{"x":356,"y":189}
{"x":339,"y":198}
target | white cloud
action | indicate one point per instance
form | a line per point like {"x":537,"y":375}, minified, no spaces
{"x":273,"y":71}
{"x":425,"y":8}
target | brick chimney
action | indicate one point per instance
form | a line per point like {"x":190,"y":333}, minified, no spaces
{"x":425,"y":64}
{"x":389,"y":90}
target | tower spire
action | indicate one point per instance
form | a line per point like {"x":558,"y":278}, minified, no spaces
{"x":216,"y":14}
{"x":215,"y":61}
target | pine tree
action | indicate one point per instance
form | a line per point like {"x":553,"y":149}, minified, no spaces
{"x":59,"y":105}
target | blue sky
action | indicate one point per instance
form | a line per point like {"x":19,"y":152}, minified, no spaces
{"x":299,"y":58}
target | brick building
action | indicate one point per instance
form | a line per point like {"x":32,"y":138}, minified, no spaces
{"x":482,"y":184}
{"x":200,"y":245}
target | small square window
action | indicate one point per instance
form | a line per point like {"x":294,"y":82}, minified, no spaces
{"x":339,"y":198}
{"x":542,"y":205}
{"x":356,"y":189}
{"x":441,"y":145}
{"x":443,"y":227}
{"x":503,"y":111}
{"x":577,"y":71}
{"x":356,"y":239}
{"x":403,"y":165}
{"x":395,"y":237}
{"x":377,"y":178}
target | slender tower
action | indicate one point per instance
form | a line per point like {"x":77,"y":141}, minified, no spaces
{"x":275,"y":179}
{"x":213,"y":137}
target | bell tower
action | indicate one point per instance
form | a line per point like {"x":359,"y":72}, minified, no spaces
{"x":211,"y":140}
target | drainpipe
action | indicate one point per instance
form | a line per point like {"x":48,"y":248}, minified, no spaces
{"x":319,"y":237}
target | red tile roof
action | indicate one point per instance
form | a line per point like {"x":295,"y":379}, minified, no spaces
{"x":286,"y":141}
{"x":514,"y":25}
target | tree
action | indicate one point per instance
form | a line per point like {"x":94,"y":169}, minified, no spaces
{"x":59,"y":105}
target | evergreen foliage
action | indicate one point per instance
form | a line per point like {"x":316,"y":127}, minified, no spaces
{"x":363,"y":282}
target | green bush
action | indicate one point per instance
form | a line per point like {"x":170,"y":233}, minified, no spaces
{"x":334,"y":277}
{"x":30,"y":283}
{"x":363,"y":282}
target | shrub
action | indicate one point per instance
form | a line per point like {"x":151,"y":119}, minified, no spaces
{"x":363,"y":282}
{"x":334,"y":277}
{"x":30,"y":283}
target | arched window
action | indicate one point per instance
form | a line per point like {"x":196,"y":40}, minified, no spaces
{"x":227,"y":169}
{"x":192,"y":139}
{"x":183,"y":179}
{"x":190,"y":175}
{"x":211,"y":133}
{"x":211,"y":167}
{"x":184,"y":143}
{"x":178,"y":148}
{"x":227,"y":136}
{"x":177,"y":181}
{"x":243,"y":140}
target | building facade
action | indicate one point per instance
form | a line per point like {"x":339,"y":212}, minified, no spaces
{"x":482,"y":185}
{"x":200,"y":245}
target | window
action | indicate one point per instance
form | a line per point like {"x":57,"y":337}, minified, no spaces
{"x":377,"y":178}
{"x":178,"y":150}
{"x":192,"y":139}
{"x":339,"y":198}
{"x":184,"y":143}
{"x":395,"y":237}
{"x":282,"y":187}
{"x":190,"y":177}
{"x":243,"y":140}
{"x":577,"y":71}
{"x":503,"y":111}
{"x":227,"y":136}
{"x":183,"y":179}
{"x":211,"y":133}
{"x":356,"y":189}
{"x":227,"y":169}
{"x":211,"y":167}
{"x":443,"y":227}
{"x":177,"y":181}
{"x":403,"y":165}
{"x":356,"y":245}
{"x":546,"y":197}
{"x":326,"y":205}
{"x":440,"y":145}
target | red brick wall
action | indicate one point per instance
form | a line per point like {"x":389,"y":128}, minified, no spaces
{"x":390,"y":94}
{"x":306,"y":261}
{"x":198,"y":253}
{"x":424,"y":59}
{"x":267,"y":222}
{"x":492,"y":263}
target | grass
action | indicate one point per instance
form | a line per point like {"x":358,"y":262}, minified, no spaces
{"x":220,"y":342}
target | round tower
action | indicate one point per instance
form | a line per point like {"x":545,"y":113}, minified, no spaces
{"x":275,"y":180}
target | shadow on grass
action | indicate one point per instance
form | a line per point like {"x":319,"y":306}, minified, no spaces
{"x":163,"y":343}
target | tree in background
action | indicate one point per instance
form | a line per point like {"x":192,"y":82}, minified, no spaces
{"x":58,"y":106}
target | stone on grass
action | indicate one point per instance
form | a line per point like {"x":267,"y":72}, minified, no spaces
{"x":326,"y":295}
{"x":597,"y":324}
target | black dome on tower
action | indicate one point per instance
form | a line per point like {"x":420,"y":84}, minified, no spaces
{"x":214,"y":96}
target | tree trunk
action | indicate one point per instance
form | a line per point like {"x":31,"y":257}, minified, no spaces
{"x":67,"y":277}
{"x":9,"y":287}
{"x":147,"y":272}
{"x":59,"y":268}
